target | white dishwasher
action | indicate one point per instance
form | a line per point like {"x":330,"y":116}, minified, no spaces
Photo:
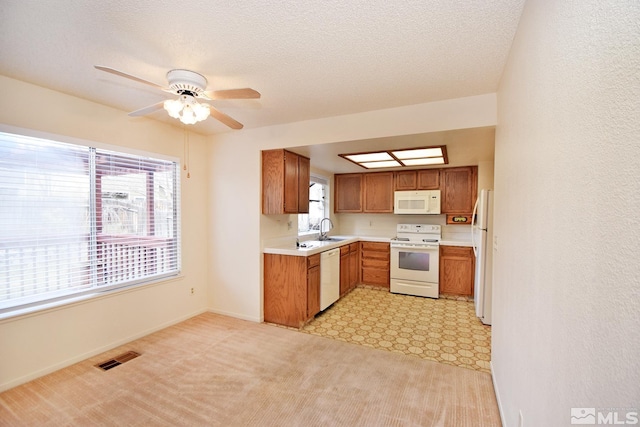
{"x":329,"y":277}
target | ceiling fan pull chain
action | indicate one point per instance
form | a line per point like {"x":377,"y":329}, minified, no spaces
{"x":186,"y":151}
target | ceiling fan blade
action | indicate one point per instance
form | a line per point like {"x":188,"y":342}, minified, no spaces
{"x":245,"y":93}
{"x":146,"y":110}
{"x":128,"y":76}
{"x":222,"y":117}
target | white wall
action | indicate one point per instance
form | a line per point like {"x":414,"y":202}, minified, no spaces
{"x":235,"y":182}
{"x":33,"y":345}
{"x":567,"y":289}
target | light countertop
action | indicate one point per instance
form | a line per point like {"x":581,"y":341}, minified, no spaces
{"x":455,"y":242}
{"x":320,"y":246}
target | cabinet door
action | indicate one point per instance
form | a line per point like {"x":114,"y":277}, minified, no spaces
{"x":348,"y":193}
{"x":285,"y":290}
{"x":378,"y":192}
{"x":304,"y":178}
{"x":285,"y":182}
{"x":459,"y":189}
{"x":291,"y":180}
{"x":457,"y":270}
{"x":313,"y":291}
{"x":406,"y":180}
{"x":272,"y":182}
{"x":344,"y":271}
{"x":429,"y":179}
{"x":353,"y":265}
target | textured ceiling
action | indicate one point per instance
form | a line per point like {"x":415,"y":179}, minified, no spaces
{"x":308,"y":59}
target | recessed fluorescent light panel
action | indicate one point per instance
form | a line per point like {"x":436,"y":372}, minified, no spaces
{"x":400,"y":158}
{"x":425,"y":161}
{"x":387,"y":164}
{"x":369,"y":157}
{"x":418,"y":153}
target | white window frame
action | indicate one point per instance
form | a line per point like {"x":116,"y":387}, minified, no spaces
{"x":327,"y":198}
{"x":56,"y":299}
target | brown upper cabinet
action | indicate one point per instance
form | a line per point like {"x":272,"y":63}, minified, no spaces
{"x":363,"y":192}
{"x":378,"y":192}
{"x":285,"y":182}
{"x":427,"y":179}
{"x":348,"y":193}
{"x":372,"y":192}
{"x":459,"y":189}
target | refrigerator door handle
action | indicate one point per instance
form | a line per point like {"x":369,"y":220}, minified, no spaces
{"x":473,"y":220}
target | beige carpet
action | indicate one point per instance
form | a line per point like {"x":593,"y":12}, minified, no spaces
{"x":217,"y":371}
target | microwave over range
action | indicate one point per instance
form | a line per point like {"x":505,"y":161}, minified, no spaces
{"x":419,"y":202}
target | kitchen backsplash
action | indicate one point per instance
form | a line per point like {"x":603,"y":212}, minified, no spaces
{"x":382,"y":225}
{"x":277,"y":231}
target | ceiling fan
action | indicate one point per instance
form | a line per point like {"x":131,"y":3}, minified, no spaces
{"x":190,"y":87}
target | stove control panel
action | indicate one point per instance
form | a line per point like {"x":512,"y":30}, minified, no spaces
{"x":418,"y":228}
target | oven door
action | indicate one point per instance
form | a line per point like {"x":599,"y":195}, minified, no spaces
{"x":417,"y":263}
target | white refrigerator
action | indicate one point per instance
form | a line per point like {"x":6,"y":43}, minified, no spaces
{"x":481,"y":237}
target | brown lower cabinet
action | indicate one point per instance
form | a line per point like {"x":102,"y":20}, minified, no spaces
{"x":291,"y":289}
{"x":457,"y":270}
{"x":292,"y":283}
{"x":375,"y":258}
{"x":349,"y":277}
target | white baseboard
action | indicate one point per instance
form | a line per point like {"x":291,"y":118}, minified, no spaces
{"x":495,"y":389}
{"x":79,"y":358}
{"x":236,"y":315}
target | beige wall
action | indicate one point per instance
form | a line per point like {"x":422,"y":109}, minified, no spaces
{"x":237,"y":226}
{"x":36,"y":344}
{"x":566,"y":300}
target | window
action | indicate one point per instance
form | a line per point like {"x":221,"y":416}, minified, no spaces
{"x":318,"y":206}
{"x":76,"y":220}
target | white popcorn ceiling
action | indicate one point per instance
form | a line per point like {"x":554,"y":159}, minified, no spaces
{"x":308,"y":59}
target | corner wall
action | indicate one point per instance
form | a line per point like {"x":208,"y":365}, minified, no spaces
{"x":566,"y":288}
{"x":36,"y":344}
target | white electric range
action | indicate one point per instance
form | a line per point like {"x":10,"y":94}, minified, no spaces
{"x":415,"y":259}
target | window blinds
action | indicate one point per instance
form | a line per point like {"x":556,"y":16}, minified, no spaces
{"x":77,"y":220}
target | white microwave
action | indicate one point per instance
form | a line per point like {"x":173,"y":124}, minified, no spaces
{"x":419,"y":202}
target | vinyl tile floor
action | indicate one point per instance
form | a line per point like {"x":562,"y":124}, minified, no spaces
{"x":445,"y":330}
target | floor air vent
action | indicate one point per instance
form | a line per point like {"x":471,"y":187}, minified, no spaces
{"x":118,"y":360}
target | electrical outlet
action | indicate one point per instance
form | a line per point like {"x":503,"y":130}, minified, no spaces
{"x":193,"y":291}
{"x":495,"y":243}
{"x":289,"y":225}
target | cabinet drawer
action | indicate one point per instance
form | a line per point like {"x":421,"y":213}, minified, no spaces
{"x":456,"y":251}
{"x":313,"y":260}
{"x":375,"y":276}
{"x":375,"y":255}
{"x":375,"y":263}
{"x":375,"y":247}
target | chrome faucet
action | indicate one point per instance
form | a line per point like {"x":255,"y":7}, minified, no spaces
{"x":323,"y":236}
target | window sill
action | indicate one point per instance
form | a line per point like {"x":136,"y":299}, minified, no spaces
{"x":308,"y":233}
{"x":63,"y":303}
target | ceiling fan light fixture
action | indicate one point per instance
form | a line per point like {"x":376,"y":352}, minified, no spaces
{"x":187,"y":109}
{"x":173,"y":107}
